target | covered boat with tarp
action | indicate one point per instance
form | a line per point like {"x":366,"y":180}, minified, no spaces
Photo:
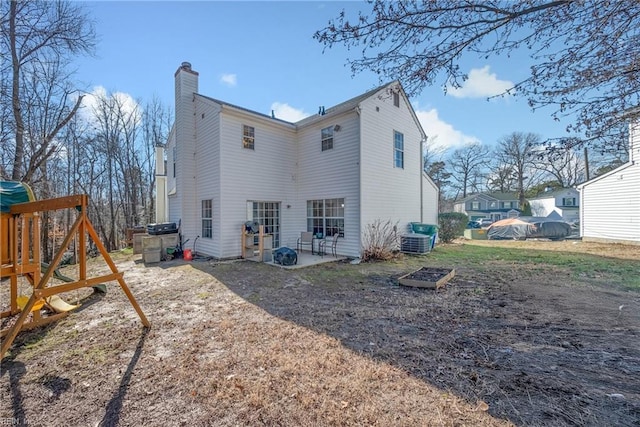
{"x":528,"y":227}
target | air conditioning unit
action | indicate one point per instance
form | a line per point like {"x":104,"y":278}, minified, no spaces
{"x":415,"y":243}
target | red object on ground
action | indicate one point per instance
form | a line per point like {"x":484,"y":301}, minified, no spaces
{"x":187,"y":255}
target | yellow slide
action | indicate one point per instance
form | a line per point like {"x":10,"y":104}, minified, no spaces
{"x":22,"y":301}
{"x":57,"y":304}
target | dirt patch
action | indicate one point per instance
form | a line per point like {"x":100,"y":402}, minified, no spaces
{"x":242,"y":343}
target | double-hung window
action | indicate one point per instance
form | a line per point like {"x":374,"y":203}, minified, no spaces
{"x":327,"y":138}
{"x":248,"y":137}
{"x":398,"y":149}
{"x":207,"y":218}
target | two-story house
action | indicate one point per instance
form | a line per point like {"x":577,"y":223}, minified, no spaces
{"x":334,"y":172}
{"x":562,"y":204}
{"x":493,"y":206}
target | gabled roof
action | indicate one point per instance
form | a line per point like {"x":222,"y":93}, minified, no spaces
{"x":504,"y":197}
{"x":603,"y":176}
{"x":347,"y":105}
{"x":554,"y":193}
{"x":246,"y":110}
{"x":343,"y":107}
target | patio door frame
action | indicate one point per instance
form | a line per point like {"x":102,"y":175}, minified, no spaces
{"x":269,"y":214}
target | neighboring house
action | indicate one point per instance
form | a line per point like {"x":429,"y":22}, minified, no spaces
{"x":610,"y":203}
{"x":494,"y":206}
{"x":334,"y":172}
{"x":562,"y":204}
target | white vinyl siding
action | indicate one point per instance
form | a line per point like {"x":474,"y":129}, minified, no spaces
{"x":207,"y":170}
{"x":264,"y":174}
{"x":610,"y":206}
{"x":330,"y":174}
{"x":389,"y":193}
{"x":430,"y":198}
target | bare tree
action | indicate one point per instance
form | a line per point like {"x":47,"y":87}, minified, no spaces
{"x":467,"y":167}
{"x":39,"y":38}
{"x":156,"y":124}
{"x":501,"y":179}
{"x":583,"y":54}
{"x":517,"y":152}
{"x":566,"y":164}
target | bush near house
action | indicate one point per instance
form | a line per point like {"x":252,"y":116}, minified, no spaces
{"x":451,"y":225}
{"x":380,"y":241}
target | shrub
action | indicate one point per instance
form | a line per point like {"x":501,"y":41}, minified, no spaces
{"x":451,"y":225}
{"x":380,"y":241}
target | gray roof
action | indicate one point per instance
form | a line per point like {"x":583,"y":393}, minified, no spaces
{"x":336,"y":109}
{"x":496,"y":195}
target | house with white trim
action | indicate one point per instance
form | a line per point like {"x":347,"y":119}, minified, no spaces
{"x":494,"y":206}
{"x":610,"y":203}
{"x":334,"y":172}
{"x":562,"y":204}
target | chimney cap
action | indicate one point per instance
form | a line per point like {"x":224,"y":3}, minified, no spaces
{"x":186,"y":65}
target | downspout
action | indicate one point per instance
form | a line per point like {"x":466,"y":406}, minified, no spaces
{"x":421,"y":180}
{"x":358,"y":111}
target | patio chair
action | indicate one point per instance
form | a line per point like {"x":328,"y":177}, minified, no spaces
{"x":333,"y":243}
{"x":305,"y":239}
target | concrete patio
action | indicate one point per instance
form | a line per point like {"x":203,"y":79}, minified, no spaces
{"x":307,"y":259}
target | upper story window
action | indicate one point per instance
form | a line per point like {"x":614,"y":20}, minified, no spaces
{"x":506,"y":204}
{"x":327,"y":138}
{"x":248,"y":137}
{"x":398,"y":149}
{"x":569,"y":201}
{"x":396,"y":99}
{"x":493,"y":205}
{"x":475,"y":206}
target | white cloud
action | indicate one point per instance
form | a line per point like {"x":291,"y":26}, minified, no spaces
{"x":230,"y":80}
{"x":287,"y":112}
{"x":480,"y":84}
{"x":442,"y":133}
{"x":121,"y":100}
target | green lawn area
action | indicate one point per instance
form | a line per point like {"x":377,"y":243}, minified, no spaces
{"x":592,"y":269}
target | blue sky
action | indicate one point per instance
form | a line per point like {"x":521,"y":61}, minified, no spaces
{"x":261,"y":56}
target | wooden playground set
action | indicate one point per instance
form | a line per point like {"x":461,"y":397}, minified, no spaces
{"x":21,"y":258}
